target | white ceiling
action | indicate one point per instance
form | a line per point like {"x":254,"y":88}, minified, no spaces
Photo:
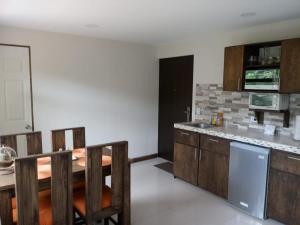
{"x":146,"y":21}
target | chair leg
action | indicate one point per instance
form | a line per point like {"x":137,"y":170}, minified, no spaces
{"x":106,"y":221}
{"x":120,"y":219}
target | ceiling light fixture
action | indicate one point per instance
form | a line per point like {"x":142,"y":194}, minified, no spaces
{"x":91,"y":25}
{"x":248,"y":14}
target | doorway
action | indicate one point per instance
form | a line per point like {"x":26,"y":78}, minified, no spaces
{"x":16,"y":114}
{"x":175,"y":99}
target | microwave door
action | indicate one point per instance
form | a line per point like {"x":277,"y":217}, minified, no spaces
{"x":261,"y":101}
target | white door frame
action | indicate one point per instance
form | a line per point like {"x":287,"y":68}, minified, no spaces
{"x":30,"y":74}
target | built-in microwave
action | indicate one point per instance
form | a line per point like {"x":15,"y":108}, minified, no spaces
{"x":262,"y":79}
{"x":269,"y":101}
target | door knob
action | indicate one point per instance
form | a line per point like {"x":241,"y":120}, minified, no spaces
{"x":28,"y":127}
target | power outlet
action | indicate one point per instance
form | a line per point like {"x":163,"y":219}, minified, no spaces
{"x":253,"y":119}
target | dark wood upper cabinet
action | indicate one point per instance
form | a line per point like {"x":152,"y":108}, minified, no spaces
{"x":186,"y":162}
{"x":242,"y":58}
{"x":290,"y":66}
{"x":233,"y":68}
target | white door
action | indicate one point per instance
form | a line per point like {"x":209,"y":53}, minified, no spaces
{"x":15,"y":90}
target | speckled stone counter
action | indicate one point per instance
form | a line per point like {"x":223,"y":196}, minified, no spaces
{"x":250,"y":136}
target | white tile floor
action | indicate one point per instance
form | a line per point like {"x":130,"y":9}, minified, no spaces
{"x":159,"y":199}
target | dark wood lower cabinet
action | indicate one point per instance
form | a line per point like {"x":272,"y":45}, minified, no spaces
{"x":204,"y":161}
{"x":213,"y":172}
{"x":284,"y":197}
{"x":186,"y":162}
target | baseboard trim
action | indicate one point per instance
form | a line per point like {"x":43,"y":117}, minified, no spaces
{"x":143,"y":158}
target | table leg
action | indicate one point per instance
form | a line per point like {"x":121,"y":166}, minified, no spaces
{"x":6,"y":207}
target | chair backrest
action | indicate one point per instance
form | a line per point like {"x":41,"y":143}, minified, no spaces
{"x":120,"y":183}
{"x":59,"y":138}
{"x":27,"y":189}
{"x":34,"y":142}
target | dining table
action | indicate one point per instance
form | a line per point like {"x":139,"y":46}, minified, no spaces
{"x":7,"y":180}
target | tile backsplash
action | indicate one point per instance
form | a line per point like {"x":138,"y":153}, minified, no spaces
{"x":210,"y":99}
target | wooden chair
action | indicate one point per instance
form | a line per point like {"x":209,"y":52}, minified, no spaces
{"x":54,"y":208}
{"x":59,"y":138}
{"x":34,"y":142}
{"x":97,"y":202}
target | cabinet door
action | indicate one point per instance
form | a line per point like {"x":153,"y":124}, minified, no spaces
{"x":213,"y":172}
{"x":233,"y":68}
{"x":284,"y":197}
{"x":186,"y":162}
{"x":290,"y":66}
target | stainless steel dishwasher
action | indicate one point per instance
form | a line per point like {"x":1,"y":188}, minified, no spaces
{"x":248,"y":178}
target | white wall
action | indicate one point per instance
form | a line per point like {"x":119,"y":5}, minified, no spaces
{"x":109,"y":87}
{"x":208,"y":50}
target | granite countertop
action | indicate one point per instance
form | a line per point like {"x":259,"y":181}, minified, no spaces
{"x":250,"y":136}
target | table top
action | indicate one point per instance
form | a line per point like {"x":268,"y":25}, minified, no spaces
{"x":44,"y":168}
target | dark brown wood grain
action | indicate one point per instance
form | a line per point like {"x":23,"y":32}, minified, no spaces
{"x":79,"y":137}
{"x":284,"y":197}
{"x":186,"y":162}
{"x":233,"y":68}
{"x":120,"y":184}
{"x":215,"y":144}
{"x":61,"y":189}
{"x":10,"y":141}
{"x":93,"y":194}
{"x":286,"y":162}
{"x":186,"y":137}
{"x":34,"y":142}
{"x":6,"y":207}
{"x":213,"y":172}
{"x":59,"y":138}
{"x":290,"y":66}
{"x":27,"y":191}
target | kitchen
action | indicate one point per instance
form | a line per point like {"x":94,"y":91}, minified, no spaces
{"x":192,"y":105}
{"x":244,"y":143}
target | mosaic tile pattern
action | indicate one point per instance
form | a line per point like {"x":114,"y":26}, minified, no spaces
{"x":210,"y":99}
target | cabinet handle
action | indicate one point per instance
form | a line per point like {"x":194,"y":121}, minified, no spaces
{"x":293,"y":158}
{"x":214,"y":140}
{"x":200,"y":154}
{"x":195,"y":153}
{"x":239,"y":81}
{"x":183,"y":133}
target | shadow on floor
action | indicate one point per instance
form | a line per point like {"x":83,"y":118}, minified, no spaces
{"x":166,"y":166}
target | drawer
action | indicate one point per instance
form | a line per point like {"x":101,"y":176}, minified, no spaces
{"x":215,"y":144}
{"x":187,"y":137}
{"x":286,"y":162}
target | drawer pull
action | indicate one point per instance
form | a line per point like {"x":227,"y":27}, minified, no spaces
{"x":186,"y":134}
{"x":293,"y":158}
{"x":200,"y":154}
{"x":214,"y":140}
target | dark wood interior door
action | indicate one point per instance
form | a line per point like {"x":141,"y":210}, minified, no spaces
{"x":175,"y":99}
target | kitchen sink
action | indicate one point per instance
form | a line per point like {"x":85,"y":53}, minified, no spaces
{"x":200,"y":125}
